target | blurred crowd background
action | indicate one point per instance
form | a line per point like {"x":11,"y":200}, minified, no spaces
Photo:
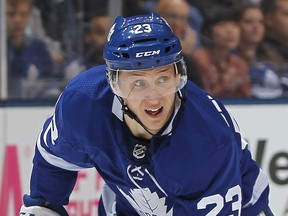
{"x":234,"y":49}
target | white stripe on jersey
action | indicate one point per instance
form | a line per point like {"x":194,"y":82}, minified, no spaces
{"x":237,"y":129}
{"x":56,"y":161}
{"x":109,"y":200}
{"x":235,"y":124}
{"x":214,"y":102}
{"x":260,"y":185}
{"x":243,"y":142}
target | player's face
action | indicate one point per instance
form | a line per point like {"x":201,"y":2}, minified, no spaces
{"x":154,"y":110}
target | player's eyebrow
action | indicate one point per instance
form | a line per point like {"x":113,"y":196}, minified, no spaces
{"x":144,"y":72}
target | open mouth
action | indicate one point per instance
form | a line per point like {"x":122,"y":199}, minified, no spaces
{"x":154,"y":112}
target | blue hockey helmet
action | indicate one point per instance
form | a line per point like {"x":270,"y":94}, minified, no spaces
{"x":142,"y":42}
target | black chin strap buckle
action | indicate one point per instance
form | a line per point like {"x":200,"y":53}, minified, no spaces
{"x":127,"y":111}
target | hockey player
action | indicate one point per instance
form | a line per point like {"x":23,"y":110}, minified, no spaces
{"x":162,"y":145}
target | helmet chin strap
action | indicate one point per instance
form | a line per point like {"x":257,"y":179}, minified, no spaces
{"x":133,"y":116}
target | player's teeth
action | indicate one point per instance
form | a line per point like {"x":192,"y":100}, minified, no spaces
{"x":153,"y":110}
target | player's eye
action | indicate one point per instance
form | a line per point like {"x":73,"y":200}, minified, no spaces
{"x":163,"y":79}
{"x":140,"y":84}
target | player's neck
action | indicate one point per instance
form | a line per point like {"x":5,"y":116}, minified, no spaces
{"x":136,"y":129}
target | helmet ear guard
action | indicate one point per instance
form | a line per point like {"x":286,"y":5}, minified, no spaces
{"x":139,"y":43}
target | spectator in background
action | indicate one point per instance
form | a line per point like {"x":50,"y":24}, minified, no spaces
{"x":195,"y":18}
{"x":265,"y":82}
{"x":276,"y":37}
{"x":223,"y":73}
{"x":133,"y":7}
{"x":94,"y":38}
{"x":35,"y":29}
{"x":60,"y":21}
{"x":63,"y":22}
{"x":276,"y":23}
{"x":204,"y":6}
{"x":176,"y":13}
{"x":28,"y":57}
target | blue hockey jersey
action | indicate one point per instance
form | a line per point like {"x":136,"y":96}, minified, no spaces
{"x":202,"y":168}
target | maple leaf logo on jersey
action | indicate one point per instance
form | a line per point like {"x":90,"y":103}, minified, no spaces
{"x":147,"y":203}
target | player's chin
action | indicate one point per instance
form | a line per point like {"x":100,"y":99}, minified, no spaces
{"x":154,"y":124}
{"x":154,"y":130}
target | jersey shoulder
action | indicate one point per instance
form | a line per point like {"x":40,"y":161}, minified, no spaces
{"x":204,"y":103}
{"x":90,"y":82}
{"x":206,"y":114}
{"x":84,"y":104}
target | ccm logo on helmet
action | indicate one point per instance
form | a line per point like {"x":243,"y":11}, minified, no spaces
{"x":147,"y":53}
